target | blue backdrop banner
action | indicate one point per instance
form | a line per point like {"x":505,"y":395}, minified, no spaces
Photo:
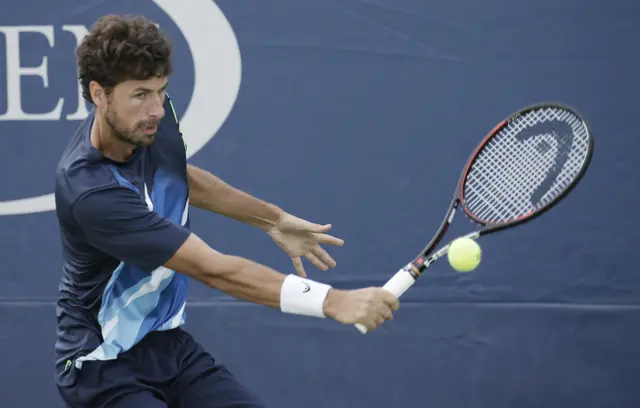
{"x":360,"y":114}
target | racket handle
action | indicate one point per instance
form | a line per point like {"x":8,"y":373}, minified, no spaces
{"x":397,"y":285}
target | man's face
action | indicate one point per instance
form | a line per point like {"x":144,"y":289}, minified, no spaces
{"x":134,"y":109}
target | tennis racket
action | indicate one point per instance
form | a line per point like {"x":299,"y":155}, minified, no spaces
{"x":523,"y":167}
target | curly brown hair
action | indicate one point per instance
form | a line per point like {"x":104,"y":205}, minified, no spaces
{"x":120,"y":48}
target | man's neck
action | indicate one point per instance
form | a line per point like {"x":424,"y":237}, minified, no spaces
{"x":103,"y":139}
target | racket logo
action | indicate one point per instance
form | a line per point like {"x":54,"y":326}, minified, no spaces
{"x":544,"y":137}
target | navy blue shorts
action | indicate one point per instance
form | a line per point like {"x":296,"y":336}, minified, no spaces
{"x":166,"y":369}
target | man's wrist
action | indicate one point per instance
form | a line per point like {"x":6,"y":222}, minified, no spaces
{"x":331,"y":302}
{"x":303,"y":296}
{"x":276,"y":215}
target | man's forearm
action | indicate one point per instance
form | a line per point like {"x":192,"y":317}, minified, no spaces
{"x":248,"y":280}
{"x":208,"y":192}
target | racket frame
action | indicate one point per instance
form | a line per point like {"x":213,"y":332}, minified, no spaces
{"x":424,"y":260}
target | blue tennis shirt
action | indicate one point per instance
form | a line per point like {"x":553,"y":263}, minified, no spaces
{"x":119,"y":223}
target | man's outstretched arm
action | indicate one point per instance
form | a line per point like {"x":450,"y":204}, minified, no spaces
{"x":209,"y":192}
{"x":116,"y":221}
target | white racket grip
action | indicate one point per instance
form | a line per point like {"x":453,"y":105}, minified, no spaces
{"x":397,"y":285}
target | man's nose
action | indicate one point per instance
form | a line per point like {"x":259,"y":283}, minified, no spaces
{"x":157,"y":111}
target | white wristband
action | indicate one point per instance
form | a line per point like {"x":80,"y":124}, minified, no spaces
{"x":303,"y":296}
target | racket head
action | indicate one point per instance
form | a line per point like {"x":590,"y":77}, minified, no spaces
{"x":525,"y":165}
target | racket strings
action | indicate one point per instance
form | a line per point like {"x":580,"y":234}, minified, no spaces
{"x":528,"y":163}
{"x":515,"y":196}
{"x":497,"y":155}
{"x":509,"y":196}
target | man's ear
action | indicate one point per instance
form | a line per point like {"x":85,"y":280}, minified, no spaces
{"x":98,"y":94}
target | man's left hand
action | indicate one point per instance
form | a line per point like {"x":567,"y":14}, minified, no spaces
{"x":298,"y":238}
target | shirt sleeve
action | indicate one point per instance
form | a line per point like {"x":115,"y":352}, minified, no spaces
{"x":116,"y":221}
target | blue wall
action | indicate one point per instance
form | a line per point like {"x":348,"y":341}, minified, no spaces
{"x":361,"y":114}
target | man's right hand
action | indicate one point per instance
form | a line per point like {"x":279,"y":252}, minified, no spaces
{"x":369,"y":307}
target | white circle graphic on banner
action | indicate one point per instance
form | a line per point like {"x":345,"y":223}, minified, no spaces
{"x":217,"y":75}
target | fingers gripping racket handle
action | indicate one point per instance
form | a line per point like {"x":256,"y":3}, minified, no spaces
{"x":397,"y":285}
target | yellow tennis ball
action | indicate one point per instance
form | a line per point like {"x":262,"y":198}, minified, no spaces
{"x":464,"y":254}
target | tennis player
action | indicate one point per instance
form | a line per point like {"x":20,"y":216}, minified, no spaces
{"x":123,"y":191}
